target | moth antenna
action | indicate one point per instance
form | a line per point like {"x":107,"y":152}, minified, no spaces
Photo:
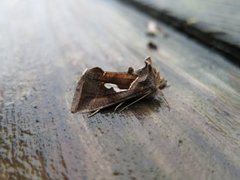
{"x":165,"y":101}
{"x":135,"y":101}
{"x":115,"y":109}
{"x":95,"y":112}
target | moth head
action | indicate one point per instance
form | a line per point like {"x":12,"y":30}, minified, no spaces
{"x":149,"y":77}
{"x":148,"y":61}
{"x":160,"y":81}
{"x":154,"y":75}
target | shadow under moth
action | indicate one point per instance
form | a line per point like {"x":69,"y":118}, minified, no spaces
{"x":98,"y":89}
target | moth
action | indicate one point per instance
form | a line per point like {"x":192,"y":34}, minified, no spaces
{"x":98,"y":89}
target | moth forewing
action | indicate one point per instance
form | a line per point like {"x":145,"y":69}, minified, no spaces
{"x":98,"y":89}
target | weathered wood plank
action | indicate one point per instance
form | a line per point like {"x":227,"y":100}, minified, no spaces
{"x":214,"y":15}
{"x":44,"y":49}
{"x":216,"y":29}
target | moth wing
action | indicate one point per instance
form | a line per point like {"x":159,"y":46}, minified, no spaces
{"x":91,"y":94}
{"x":112,"y":99}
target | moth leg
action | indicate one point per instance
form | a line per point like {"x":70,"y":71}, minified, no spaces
{"x":95,"y":112}
{"x":115,"y":109}
{"x":164,"y":99}
{"x":135,"y":101}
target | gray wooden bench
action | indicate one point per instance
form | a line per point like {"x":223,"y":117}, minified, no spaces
{"x":44,"y":48}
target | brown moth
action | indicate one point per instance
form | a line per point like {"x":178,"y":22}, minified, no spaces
{"x":98,"y":89}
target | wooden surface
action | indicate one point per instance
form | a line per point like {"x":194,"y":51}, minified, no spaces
{"x":219,"y":16}
{"x":46,"y":45}
{"x":216,"y":29}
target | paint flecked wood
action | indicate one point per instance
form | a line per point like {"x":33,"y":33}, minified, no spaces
{"x":46,"y":45}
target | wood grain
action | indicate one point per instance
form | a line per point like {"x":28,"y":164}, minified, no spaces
{"x":216,"y":29}
{"x":46,"y":45}
{"x":218,"y":16}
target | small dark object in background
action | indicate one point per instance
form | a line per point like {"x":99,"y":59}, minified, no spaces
{"x":152,"y":45}
{"x":180,"y":142}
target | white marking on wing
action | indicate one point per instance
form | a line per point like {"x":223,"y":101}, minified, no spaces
{"x":114,"y":86}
